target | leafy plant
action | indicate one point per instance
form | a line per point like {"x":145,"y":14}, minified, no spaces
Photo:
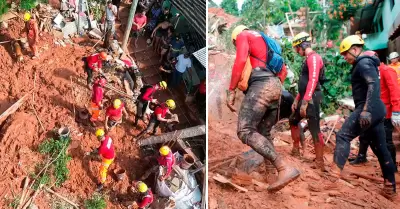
{"x":96,"y":8}
{"x":14,"y":202}
{"x":230,"y":7}
{"x":96,"y":202}
{"x":27,"y":4}
{"x":3,"y":7}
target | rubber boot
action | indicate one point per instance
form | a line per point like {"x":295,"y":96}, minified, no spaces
{"x":286,"y":174}
{"x":270,"y":171}
{"x":333,"y":185}
{"x":295,"y":132}
{"x":319,"y":153}
{"x":360,"y":159}
{"x":389,"y":191}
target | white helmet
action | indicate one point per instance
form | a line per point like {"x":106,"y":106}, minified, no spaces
{"x":393,"y":55}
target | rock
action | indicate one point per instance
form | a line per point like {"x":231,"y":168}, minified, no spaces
{"x":334,"y":193}
{"x":329,"y":200}
{"x":258,"y":189}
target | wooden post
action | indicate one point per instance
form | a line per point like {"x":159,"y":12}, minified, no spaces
{"x":129,"y":25}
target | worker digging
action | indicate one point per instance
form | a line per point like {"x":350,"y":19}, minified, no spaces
{"x":114,"y":114}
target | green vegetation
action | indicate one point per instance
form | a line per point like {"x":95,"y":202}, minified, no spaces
{"x":3,"y":7}
{"x":14,"y":202}
{"x":96,"y":202}
{"x":230,"y":6}
{"x":27,"y":4}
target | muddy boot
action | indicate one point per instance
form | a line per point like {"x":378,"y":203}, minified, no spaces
{"x":335,"y":174}
{"x":286,"y":174}
{"x":295,"y":132}
{"x":389,"y":191}
{"x":319,"y":154}
{"x":270,"y":171}
{"x":360,"y":159}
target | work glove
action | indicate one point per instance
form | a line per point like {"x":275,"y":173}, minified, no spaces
{"x":365,"y":119}
{"x":396,"y":119}
{"x":303,"y":108}
{"x":294,"y":105}
{"x":230,"y":99}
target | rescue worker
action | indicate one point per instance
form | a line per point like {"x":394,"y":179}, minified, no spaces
{"x":32,"y":34}
{"x":395,"y":64}
{"x":308,"y":100}
{"x":366,"y":120}
{"x":145,"y":195}
{"x":165,"y":159}
{"x":114,"y":114}
{"x":97,"y":98}
{"x":94,"y":63}
{"x":107,"y":153}
{"x":146,"y":97}
{"x":390,"y":96}
{"x":258,"y":112}
{"x":160,"y":112}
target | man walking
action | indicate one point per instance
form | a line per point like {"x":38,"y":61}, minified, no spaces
{"x":258,"y":112}
{"x":309,"y":98}
{"x":390,"y":96}
{"x":366,"y":120}
{"x":107,"y":153}
{"x":32,"y":34}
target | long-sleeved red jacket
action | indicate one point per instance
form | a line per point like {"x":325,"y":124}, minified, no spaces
{"x":167,"y":161}
{"x":249,"y":42}
{"x":390,"y":90}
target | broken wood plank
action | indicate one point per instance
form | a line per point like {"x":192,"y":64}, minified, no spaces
{"x":24,"y":191}
{"x":61,"y":197}
{"x":166,"y":137}
{"x":224,"y":180}
{"x":380,"y":180}
{"x":211,"y":161}
{"x":330,"y":133}
{"x":13,"y":108}
{"x":220,"y":164}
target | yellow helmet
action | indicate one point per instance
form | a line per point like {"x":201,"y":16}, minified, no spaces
{"x":163,"y":84}
{"x":141,"y":187}
{"x":100,"y":132}
{"x":171,"y":104}
{"x":300,"y":38}
{"x":349,"y":41}
{"x":237,"y":31}
{"x":164,"y":150}
{"x":27,"y":16}
{"x":117,"y":103}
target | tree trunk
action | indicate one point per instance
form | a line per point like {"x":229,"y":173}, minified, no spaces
{"x":181,"y":134}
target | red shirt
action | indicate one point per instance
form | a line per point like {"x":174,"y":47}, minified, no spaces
{"x":97,"y":94}
{"x":146,"y":200}
{"x":106,"y":148}
{"x":390,"y":91}
{"x":202,"y":87}
{"x":148,"y":94}
{"x":114,"y":114}
{"x":248,"y":42}
{"x":162,"y":109}
{"x":167,"y":161}
{"x":140,"y":20}
{"x":94,"y":60}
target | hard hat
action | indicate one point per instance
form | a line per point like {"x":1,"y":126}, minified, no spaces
{"x":300,"y":38}
{"x":393,"y":55}
{"x":349,"y":41}
{"x":27,"y":16}
{"x":171,"y":104}
{"x":142,"y":187}
{"x":100,"y":132}
{"x":163,"y":84}
{"x":103,"y":55}
{"x":117,"y":103}
{"x":164,"y":150}
{"x":237,"y":31}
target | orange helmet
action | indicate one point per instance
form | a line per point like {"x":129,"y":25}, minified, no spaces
{"x":103,"y":55}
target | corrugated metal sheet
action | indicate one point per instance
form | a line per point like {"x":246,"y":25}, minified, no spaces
{"x":201,"y":55}
{"x":195,"y":13}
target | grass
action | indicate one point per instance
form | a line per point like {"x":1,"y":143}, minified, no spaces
{"x":97,"y":201}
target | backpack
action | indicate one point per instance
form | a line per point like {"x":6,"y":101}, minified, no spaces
{"x":274,"y":60}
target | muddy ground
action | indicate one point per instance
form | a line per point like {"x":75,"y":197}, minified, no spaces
{"x":223,"y":142}
{"x":56,"y":87}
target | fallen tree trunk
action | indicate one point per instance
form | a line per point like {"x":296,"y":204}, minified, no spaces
{"x":181,"y":134}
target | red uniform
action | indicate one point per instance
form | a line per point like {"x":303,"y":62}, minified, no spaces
{"x":249,"y":42}
{"x":94,"y":61}
{"x":162,"y":109}
{"x":106,"y":149}
{"x":146,"y":200}
{"x":390,"y":91}
{"x":309,"y":78}
{"x":97,"y":94}
{"x":114,"y":114}
{"x":140,"y":20}
{"x":167,"y":161}
{"x":148,"y":94}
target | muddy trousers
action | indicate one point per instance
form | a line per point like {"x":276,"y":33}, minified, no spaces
{"x":140,"y":110}
{"x":105,"y":164}
{"x":257,"y":115}
{"x":362,"y":153}
{"x":313,"y":119}
{"x":88,"y":71}
{"x":374,"y":135}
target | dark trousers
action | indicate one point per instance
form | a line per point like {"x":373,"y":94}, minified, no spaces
{"x":88,"y":71}
{"x":364,"y":144}
{"x":176,"y":78}
{"x":312,"y":113}
{"x":258,"y":113}
{"x":153,"y":124}
{"x":373,"y":135}
{"x":140,"y":110}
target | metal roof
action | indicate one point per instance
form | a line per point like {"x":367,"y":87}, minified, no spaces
{"x":195,"y":13}
{"x":201,"y":55}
